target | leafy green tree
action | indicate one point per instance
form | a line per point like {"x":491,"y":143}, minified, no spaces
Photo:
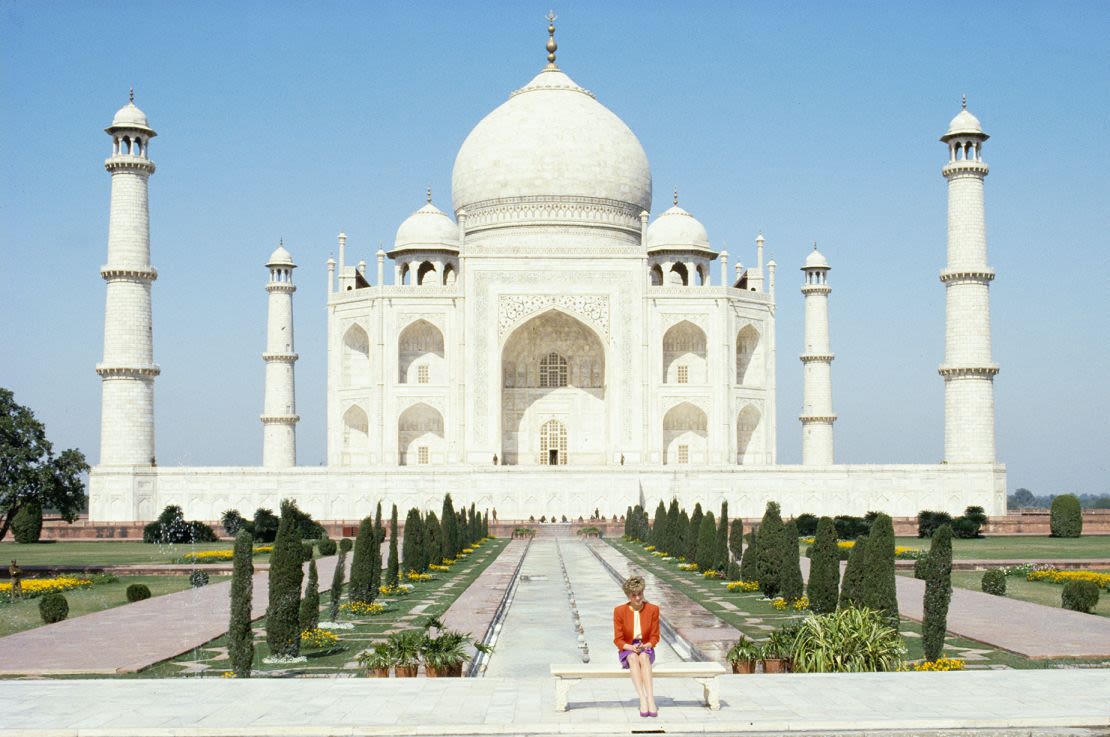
{"x":264,"y":525}
{"x":337,"y":585}
{"x":792,"y":583}
{"x":721,"y":553}
{"x":851,"y":588}
{"x":707,"y":543}
{"x":30,"y":473}
{"x":1065,"y":520}
{"x":359,"y":589}
{"x":283,"y":613}
{"x":749,"y":562}
{"x":938,"y":592}
{"x":673,"y":534}
{"x":879,"y":592}
{"x":240,"y":638}
{"x":824,"y":569}
{"x":310,"y":604}
{"x":412,"y":552}
{"x":772,"y":536}
{"x":393,"y":572}
{"x":736,"y":539}
{"x":27,"y":525}
{"x":691,"y":551}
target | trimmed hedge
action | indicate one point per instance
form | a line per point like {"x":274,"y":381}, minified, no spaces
{"x":240,"y":638}
{"x":1067,"y":516}
{"x":921,"y":567}
{"x":27,"y":524}
{"x":928,"y":522}
{"x":327,"y":546}
{"x":171,"y":528}
{"x":994,"y":582}
{"x":807,"y":524}
{"x":138,"y":592}
{"x":938,"y":593}
{"x":346,"y":544}
{"x":879,"y":592}
{"x":1080,"y":596}
{"x":824,"y":572}
{"x":54,"y":608}
{"x":198,"y":579}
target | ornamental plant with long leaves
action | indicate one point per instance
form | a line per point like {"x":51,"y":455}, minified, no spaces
{"x":848,"y":640}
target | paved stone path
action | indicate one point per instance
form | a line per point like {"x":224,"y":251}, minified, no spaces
{"x":823,"y":703}
{"x":128,"y":638}
{"x":1032,"y":630}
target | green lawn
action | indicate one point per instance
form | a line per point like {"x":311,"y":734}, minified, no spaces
{"x":1022,"y":547}
{"x":710,"y":593}
{"x":1038,"y":592}
{"x":102,"y":552}
{"x":24,"y":615}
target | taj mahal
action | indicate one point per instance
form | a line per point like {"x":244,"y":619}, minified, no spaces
{"x":547,"y":346}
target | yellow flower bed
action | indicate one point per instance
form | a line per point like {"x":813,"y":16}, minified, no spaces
{"x":362,"y":609}
{"x":414,"y":576}
{"x":449,"y":561}
{"x":809,"y":540}
{"x":1054,"y":575}
{"x":687,"y":566}
{"x":658,"y":554}
{"x":743,"y":586}
{"x":782,"y":604}
{"x":712,"y":574}
{"x":468,"y":550}
{"x":437,"y":567}
{"x":217,"y":556}
{"x":940,"y":664}
{"x":901,"y":550}
{"x":39,"y":586}
{"x":846,"y":544}
{"x":398,"y":590}
{"x":318,"y":638}
{"x":649,"y":548}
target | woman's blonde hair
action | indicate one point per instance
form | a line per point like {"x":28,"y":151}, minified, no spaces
{"x":633,"y":585}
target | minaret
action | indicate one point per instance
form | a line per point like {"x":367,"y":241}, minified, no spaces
{"x":127,"y":371}
{"x":817,"y":416}
{"x":279,"y":412}
{"x":968,"y":370}
{"x":755,"y":280}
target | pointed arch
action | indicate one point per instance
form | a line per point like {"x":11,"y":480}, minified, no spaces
{"x":747,"y":440}
{"x":354,"y":362}
{"x":450,"y":276}
{"x":356,"y":437}
{"x":425,"y":274}
{"x":656,"y":275}
{"x":553,"y":444}
{"x":421,"y":345}
{"x":420,"y":436}
{"x":749,"y":363}
{"x":685,"y":434}
{"x":684,"y":347}
{"x":678,"y":276}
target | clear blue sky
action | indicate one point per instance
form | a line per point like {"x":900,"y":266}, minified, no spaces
{"x":297,"y":120}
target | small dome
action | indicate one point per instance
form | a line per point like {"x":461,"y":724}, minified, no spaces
{"x":427,"y":228}
{"x":964,"y":124}
{"x":816,"y":260}
{"x":281,"y":257}
{"x":130,"y":116}
{"x":676,"y":228}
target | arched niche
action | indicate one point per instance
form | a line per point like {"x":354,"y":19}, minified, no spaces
{"x":553,"y":367}
{"x":685,"y":435}
{"x":426,"y":274}
{"x":749,"y":359}
{"x":748,"y":447}
{"x":356,"y":437}
{"x":678,"y":276}
{"x":421,"y":345}
{"x":656,"y":275}
{"x":354,"y":366}
{"x":450,"y":276}
{"x":420,"y":436}
{"x":684,"y":348}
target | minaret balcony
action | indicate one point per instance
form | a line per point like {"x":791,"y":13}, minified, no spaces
{"x":125,"y":162}
{"x":128,"y":273}
{"x":147,"y":371}
{"x":809,"y":289}
{"x":280,"y":357}
{"x":955,"y":169}
{"x":956,"y":276}
{"x":280,"y":419}
{"x":817,"y":357}
{"x":950,"y":371}
{"x":817,"y":419}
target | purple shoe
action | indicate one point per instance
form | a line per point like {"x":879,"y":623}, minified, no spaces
{"x":645,"y":713}
{"x":653,"y":713}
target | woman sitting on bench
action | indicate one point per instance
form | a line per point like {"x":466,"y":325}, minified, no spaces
{"x":636,"y":633}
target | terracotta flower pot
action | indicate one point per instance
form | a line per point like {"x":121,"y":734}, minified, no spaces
{"x":774,"y":665}
{"x":454,"y":671}
{"x":379,"y":673}
{"x":407,"y":671}
{"x":743,"y":666}
{"x":431,"y":671}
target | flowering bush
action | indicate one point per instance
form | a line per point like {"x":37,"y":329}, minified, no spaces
{"x":1054,"y":575}
{"x":438,"y":567}
{"x":217,"y":556}
{"x":40,"y":586}
{"x":687,"y":566}
{"x":712,"y":573}
{"x":799,"y":604}
{"x":468,"y":550}
{"x":362,"y":609}
{"x":940,"y":664}
{"x":398,"y":590}
{"x":318,"y":638}
{"x":449,"y":561}
{"x":779,"y":603}
{"x":743,"y":586}
{"x":414,"y":576}
{"x":902,"y":553}
{"x":658,"y":554}
{"x":649,"y":547}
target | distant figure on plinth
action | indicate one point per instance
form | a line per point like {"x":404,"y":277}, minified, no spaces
{"x":16,"y":574}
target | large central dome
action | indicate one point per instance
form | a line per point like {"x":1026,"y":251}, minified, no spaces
{"x":552,"y":146}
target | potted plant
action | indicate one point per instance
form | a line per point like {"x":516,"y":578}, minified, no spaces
{"x":378,"y":660}
{"x":743,"y":655}
{"x":405,"y":649}
{"x":445,"y":652}
{"x":779,"y":648}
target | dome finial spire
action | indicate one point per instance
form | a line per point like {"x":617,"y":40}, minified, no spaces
{"x":676,"y":196}
{"x":131,"y":94}
{"x":551,"y":45}
{"x":429,"y":194}
{"x":963,"y":102}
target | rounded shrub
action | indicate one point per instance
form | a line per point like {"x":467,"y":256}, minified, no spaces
{"x":994,"y":582}
{"x":198,"y":579}
{"x":138,"y":592}
{"x":308,"y":549}
{"x":27,"y":524}
{"x":53,"y":608}
{"x":327,"y":546}
{"x":1080,"y":596}
{"x":346,"y":544}
{"x":1067,"y":516}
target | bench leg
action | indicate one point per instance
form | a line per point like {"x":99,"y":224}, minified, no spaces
{"x":710,"y":692}
{"x":562,"y":690}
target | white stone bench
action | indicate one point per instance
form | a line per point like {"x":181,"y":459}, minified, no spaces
{"x":704,"y":673}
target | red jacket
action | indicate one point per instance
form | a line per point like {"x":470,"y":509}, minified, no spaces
{"x":623,"y":624}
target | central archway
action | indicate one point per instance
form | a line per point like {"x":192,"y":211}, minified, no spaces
{"x":553,"y":370}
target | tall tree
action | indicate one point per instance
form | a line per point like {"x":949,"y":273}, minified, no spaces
{"x":628,"y":523}
{"x":283,"y":633}
{"x":772,"y":534}
{"x":707,"y":543}
{"x":851,"y":587}
{"x":824,"y":569}
{"x":475,"y":525}
{"x":433,"y":539}
{"x":673,"y":535}
{"x":376,"y":553}
{"x":879,"y":592}
{"x":749,"y":562}
{"x":659,"y":527}
{"x":412,"y":552}
{"x":736,"y":538}
{"x":449,"y":523}
{"x":310,"y":604}
{"x":240,"y":638}
{"x":938,"y":592}
{"x":792,"y":583}
{"x":30,"y":473}
{"x":721,"y":555}
{"x":337,"y":584}
{"x":359,"y":589}
{"x":682,"y":534}
{"x":691,"y":551}
{"x":393,"y":572}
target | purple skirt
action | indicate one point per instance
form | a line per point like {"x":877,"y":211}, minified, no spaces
{"x":623,"y":654}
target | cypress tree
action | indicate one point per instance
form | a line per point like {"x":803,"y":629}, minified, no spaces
{"x":707,"y":543}
{"x":691,"y":551}
{"x":282,"y":633}
{"x":412,"y":552}
{"x":824,"y":569}
{"x":433,"y":539}
{"x":359,"y":588}
{"x":851,"y":588}
{"x":475,"y":525}
{"x":792,"y":583}
{"x":310,"y":604}
{"x":879,"y":592}
{"x":337,"y":585}
{"x":772,"y":534}
{"x":938,"y":591}
{"x":376,"y":554}
{"x":721,"y":554}
{"x":659,"y":526}
{"x":240,"y":639}
{"x":393,"y":574}
{"x":673,"y":534}
{"x":485,"y":524}
{"x":449,"y":540}
{"x":749,"y":562}
{"x":628,"y":523}
{"x":736,"y":539}
{"x":683,"y":534}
